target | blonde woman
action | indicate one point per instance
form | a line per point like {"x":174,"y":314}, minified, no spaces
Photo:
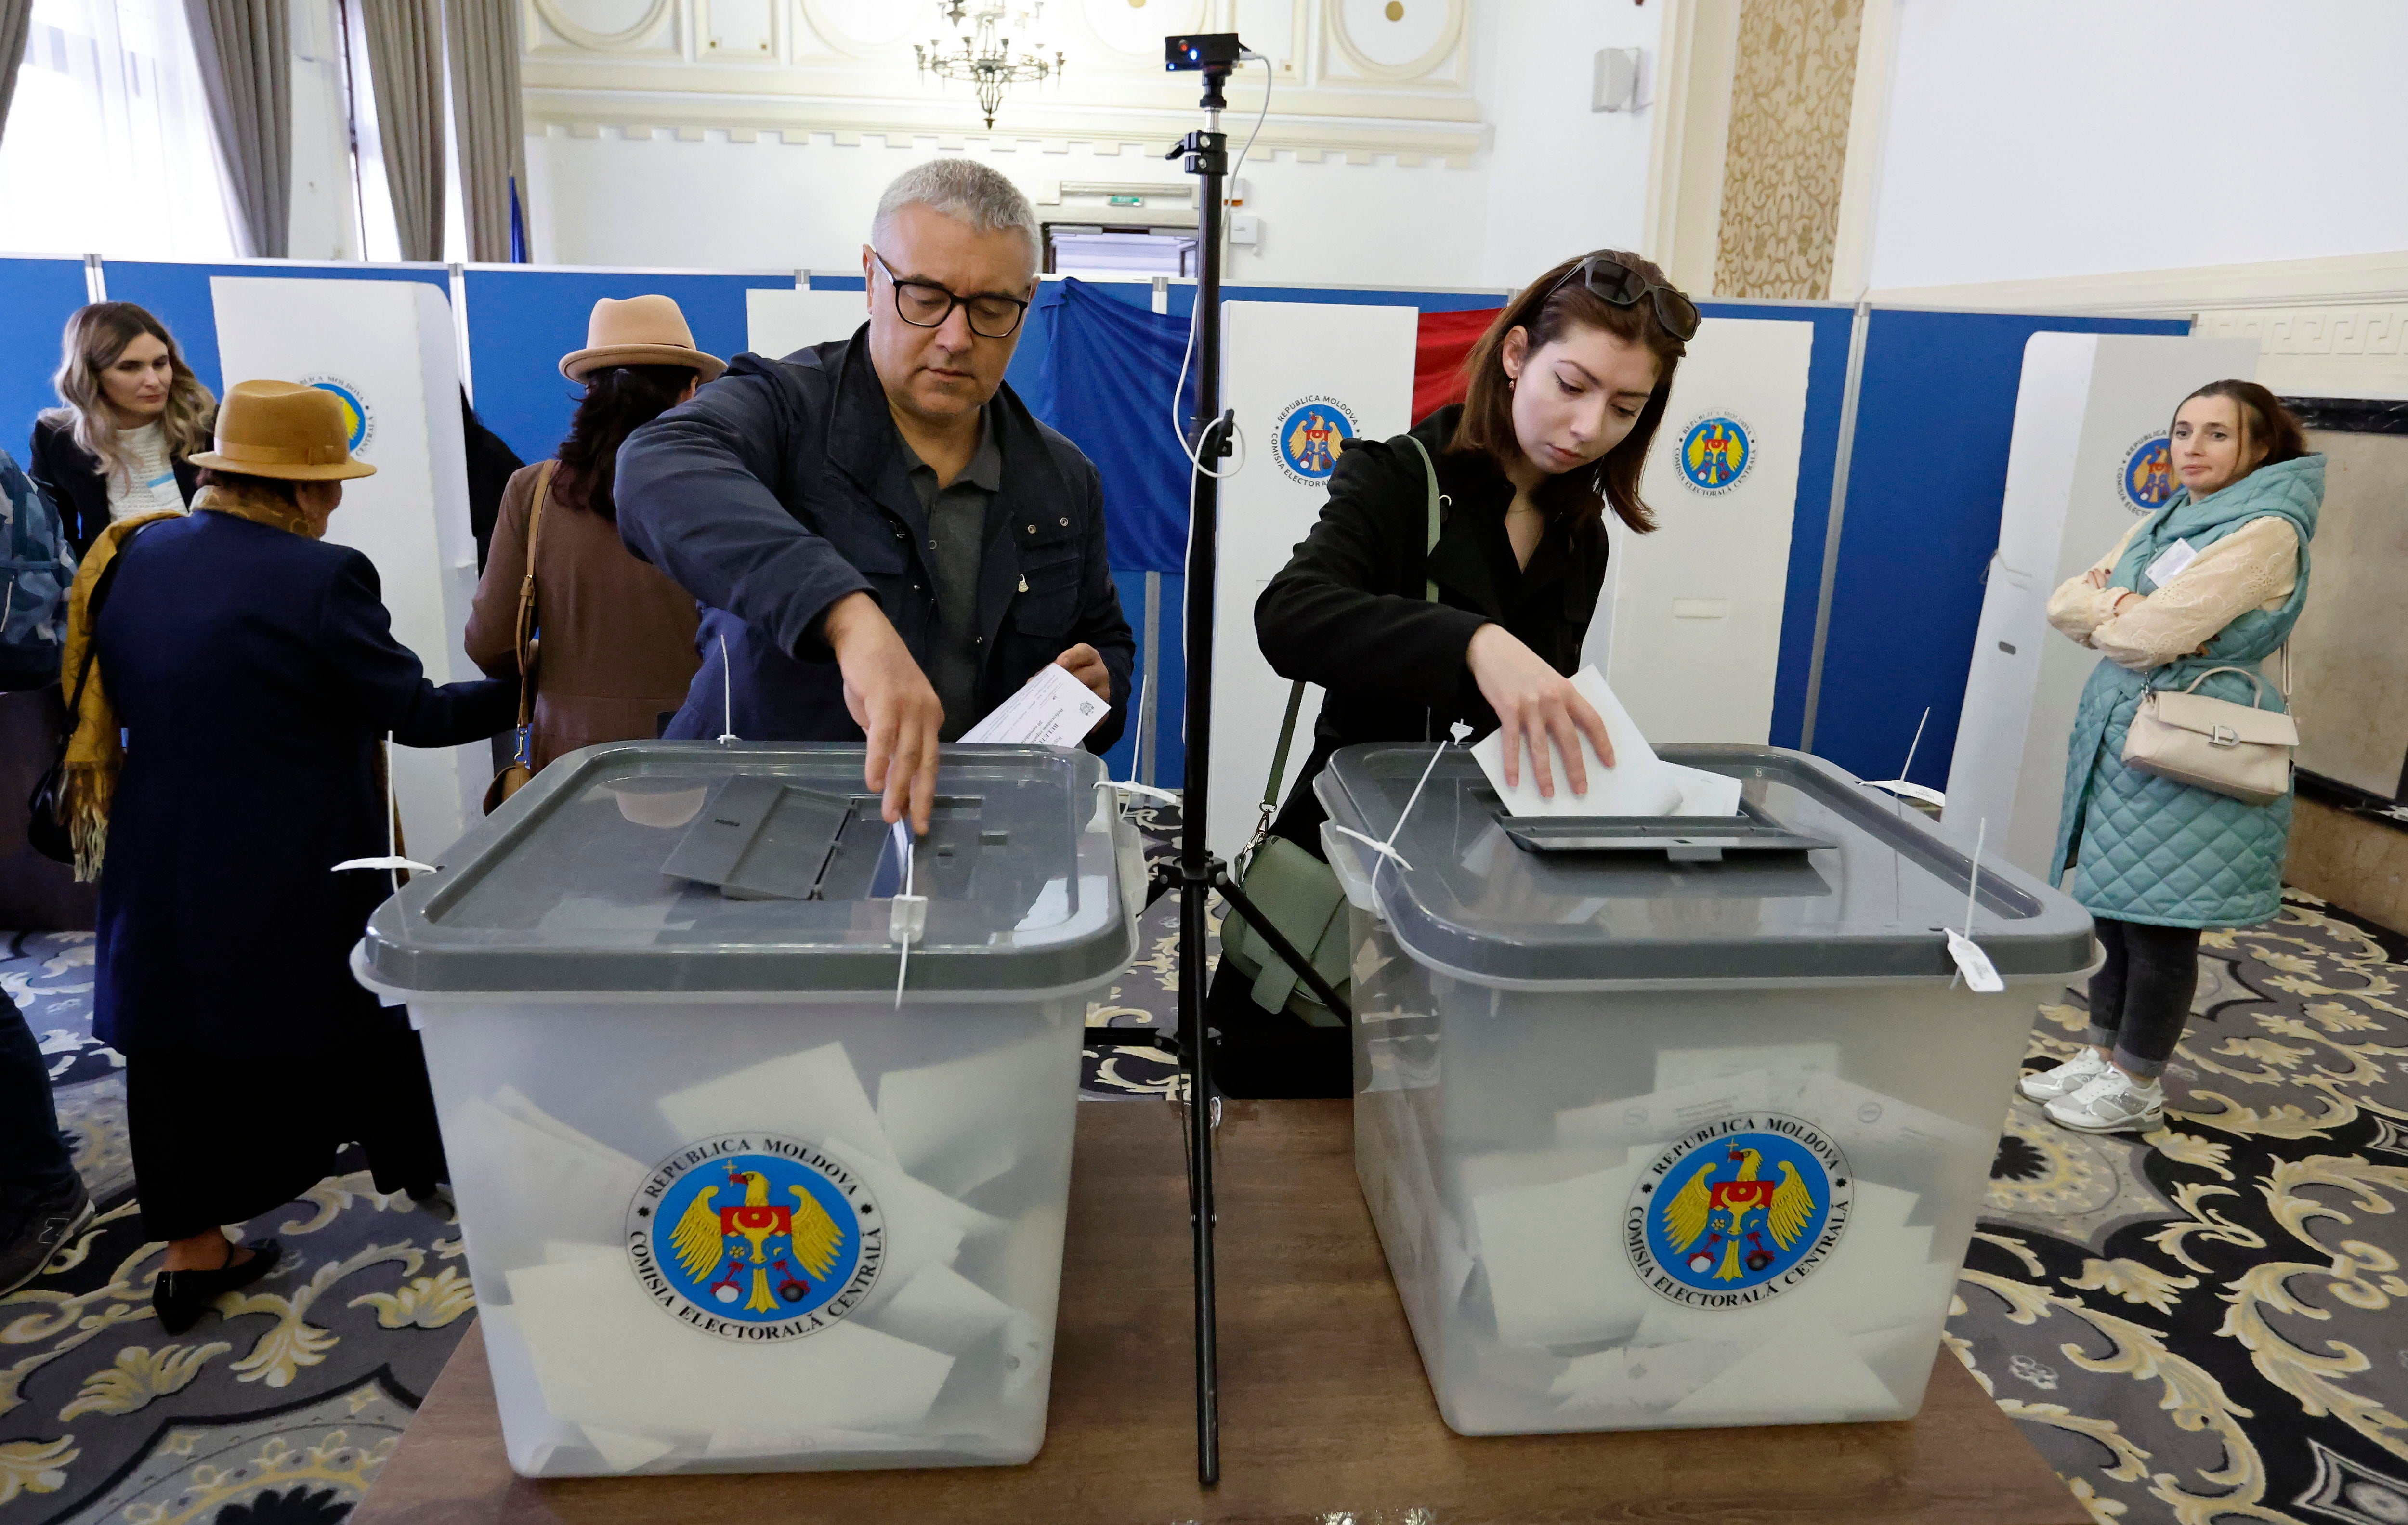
{"x":134,"y":416}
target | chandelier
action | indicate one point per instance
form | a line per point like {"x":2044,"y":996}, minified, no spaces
{"x":985,"y":57}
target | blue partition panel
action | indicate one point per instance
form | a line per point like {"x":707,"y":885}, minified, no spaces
{"x":1826,"y":385}
{"x":1140,"y":294}
{"x":1934,"y":417}
{"x":35,"y":298}
{"x":523,"y":319}
{"x":179,"y":296}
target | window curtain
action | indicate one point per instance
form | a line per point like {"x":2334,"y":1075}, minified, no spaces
{"x":405,"y":48}
{"x":16,"y":21}
{"x":488,"y":120}
{"x":244,"y":48}
{"x":109,"y":142}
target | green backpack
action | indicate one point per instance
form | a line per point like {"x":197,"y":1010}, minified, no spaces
{"x":1298,"y":891}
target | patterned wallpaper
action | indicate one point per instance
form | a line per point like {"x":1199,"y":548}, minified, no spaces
{"x":1792,"y":91}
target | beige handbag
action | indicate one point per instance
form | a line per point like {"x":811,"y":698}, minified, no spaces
{"x":2215,"y":744}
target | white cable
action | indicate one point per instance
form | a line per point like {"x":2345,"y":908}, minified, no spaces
{"x":726,"y":696}
{"x":1178,"y":425}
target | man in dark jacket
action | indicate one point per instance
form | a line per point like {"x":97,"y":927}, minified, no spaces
{"x":884,"y":542}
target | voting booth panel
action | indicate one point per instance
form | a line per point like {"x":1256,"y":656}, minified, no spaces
{"x":1303,"y":381}
{"x":1934,"y":415}
{"x":778,"y":320}
{"x":2088,"y":460}
{"x":184,"y":297}
{"x":1687,"y":629}
{"x":387,"y":351}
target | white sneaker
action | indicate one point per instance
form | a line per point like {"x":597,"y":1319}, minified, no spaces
{"x":2084,"y":1067}
{"x":2113,"y":1103}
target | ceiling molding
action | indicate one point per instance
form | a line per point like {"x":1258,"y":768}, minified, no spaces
{"x":639,"y":79}
{"x":1031,"y":127}
{"x":824,"y":26}
{"x":1450,"y":40}
{"x":627,"y":39}
{"x":2337,"y":281}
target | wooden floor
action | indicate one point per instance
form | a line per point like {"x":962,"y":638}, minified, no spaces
{"x":1323,"y":1404}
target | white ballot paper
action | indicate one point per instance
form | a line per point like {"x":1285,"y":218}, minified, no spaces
{"x":1052,"y":709}
{"x":1704,"y":794}
{"x":1639,"y":784}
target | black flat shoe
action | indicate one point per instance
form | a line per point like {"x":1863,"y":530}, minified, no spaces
{"x":180,"y":1297}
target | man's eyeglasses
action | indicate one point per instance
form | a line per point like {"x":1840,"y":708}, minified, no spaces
{"x":925,"y":304}
{"x":1610,"y":281}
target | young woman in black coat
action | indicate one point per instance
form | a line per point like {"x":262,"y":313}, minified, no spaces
{"x":134,"y":418}
{"x":251,"y":669}
{"x":1567,"y":389}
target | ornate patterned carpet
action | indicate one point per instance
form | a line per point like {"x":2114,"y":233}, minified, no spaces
{"x":2206,"y":1325}
{"x":2209,"y":1323}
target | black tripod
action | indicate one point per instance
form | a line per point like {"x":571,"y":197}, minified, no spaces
{"x":1206,"y":157}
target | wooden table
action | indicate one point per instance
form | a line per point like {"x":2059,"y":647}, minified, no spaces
{"x":1324,"y":1406}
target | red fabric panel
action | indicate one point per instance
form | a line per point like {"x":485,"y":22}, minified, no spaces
{"x":1439,"y":352}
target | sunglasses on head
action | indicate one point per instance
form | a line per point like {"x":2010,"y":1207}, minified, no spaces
{"x":1610,"y":281}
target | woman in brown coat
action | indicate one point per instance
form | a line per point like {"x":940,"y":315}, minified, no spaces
{"x":614,"y":637}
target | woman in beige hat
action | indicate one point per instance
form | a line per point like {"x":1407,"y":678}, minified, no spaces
{"x":249,"y":668}
{"x":616,"y":638}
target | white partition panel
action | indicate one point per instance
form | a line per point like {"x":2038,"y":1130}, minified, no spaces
{"x":778,"y":320}
{"x":1303,"y":378}
{"x":386,"y":348}
{"x":1687,"y":629}
{"x":2087,"y":460}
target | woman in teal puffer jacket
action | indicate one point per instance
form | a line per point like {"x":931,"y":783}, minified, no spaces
{"x":2215,"y":579}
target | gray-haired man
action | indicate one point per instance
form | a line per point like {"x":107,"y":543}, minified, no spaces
{"x":887,"y":542}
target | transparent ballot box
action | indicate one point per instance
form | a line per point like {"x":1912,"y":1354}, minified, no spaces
{"x":1683,"y":1121}
{"x":760,"y":1125}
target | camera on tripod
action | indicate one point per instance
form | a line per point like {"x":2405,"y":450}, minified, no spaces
{"x":1202,"y":51}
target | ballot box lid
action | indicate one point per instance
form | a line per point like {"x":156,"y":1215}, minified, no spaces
{"x":652,"y":868}
{"x":1839,"y":881}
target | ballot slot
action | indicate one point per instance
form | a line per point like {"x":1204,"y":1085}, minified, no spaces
{"x":1678,"y":839}
{"x":761,"y":838}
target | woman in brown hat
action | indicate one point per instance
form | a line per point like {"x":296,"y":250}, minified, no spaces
{"x":251,"y":671}
{"x":616,"y":636}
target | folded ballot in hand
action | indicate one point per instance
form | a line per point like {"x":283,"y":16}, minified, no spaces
{"x":1639,"y":783}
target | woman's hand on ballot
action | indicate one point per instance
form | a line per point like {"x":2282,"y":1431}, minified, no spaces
{"x":1535,"y":703}
{"x":1085,"y":664}
{"x":893,"y":702}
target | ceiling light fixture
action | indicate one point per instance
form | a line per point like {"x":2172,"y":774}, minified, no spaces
{"x":985,"y":57}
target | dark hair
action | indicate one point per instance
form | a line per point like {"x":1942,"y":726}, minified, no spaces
{"x":1546,"y":315}
{"x":619,"y":400}
{"x":274,"y":486}
{"x":2262,"y":417}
